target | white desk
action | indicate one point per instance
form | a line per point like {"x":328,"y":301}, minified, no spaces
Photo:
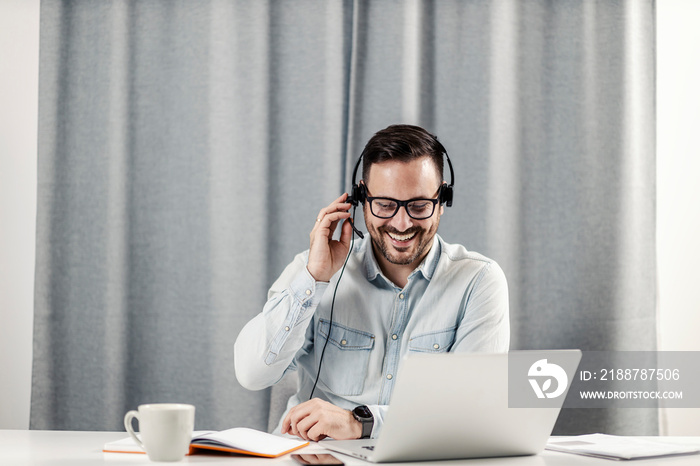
{"x":60,"y":448}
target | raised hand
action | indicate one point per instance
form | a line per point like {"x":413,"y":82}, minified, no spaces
{"x":327,"y":255}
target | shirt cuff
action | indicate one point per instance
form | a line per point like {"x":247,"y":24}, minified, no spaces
{"x":306,"y":290}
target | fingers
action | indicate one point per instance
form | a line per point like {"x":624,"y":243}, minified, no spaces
{"x":305,"y":424}
{"x":346,"y":233}
{"x":328,"y":215}
{"x":297,"y":421}
{"x":315,"y":432}
{"x":326,"y":225}
{"x":326,"y":255}
{"x":316,"y":419}
{"x":302,"y":418}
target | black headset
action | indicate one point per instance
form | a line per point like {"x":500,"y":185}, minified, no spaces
{"x":358,"y":194}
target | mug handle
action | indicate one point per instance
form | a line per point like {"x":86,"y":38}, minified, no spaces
{"x":128,"y":418}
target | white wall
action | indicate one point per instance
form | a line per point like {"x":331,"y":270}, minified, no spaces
{"x":678,"y":168}
{"x":19,"y":85}
{"x":678,"y":187}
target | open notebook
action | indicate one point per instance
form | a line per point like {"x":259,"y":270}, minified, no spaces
{"x":239,"y":440}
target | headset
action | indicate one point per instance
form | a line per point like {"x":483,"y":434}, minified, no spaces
{"x":358,"y":193}
{"x":358,"y":196}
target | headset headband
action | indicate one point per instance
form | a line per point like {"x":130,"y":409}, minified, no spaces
{"x":358,"y":193}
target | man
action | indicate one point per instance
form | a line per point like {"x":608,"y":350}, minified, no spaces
{"x":403,"y":290}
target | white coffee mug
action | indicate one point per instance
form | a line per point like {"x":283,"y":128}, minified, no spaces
{"x":166,"y":429}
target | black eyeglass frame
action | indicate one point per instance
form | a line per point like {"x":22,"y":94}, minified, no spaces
{"x":404,"y":204}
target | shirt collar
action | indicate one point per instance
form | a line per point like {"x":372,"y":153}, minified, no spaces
{"x":429,"y":264}
{"x":426,"y":268}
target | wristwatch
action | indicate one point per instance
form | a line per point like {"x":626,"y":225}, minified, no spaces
{"x":364,"y":416}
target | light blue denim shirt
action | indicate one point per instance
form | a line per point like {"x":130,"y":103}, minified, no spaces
{"x":456,"y":300}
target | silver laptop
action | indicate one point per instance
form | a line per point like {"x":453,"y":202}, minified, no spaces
{"x":456,"y":405}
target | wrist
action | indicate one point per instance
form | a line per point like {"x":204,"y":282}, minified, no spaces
{"x":317,"y":275}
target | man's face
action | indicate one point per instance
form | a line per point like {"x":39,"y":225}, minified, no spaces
{"x":402,"y":240}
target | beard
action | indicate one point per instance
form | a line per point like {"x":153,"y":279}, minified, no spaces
{"x":403,"y":256}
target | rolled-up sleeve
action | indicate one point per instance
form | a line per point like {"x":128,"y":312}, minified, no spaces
{"x":266,"y":346}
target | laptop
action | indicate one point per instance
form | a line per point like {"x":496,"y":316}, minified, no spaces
{"x":456,"y":405}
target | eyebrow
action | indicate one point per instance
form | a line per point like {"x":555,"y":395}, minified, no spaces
{"x":410,"y":199}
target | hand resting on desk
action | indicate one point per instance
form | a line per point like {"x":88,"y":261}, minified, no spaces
{"x":317,"y":419}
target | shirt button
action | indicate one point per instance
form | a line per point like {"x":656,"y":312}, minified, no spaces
{"x":401,"y":296}
{"x":286,"y":329}
{"x":436,"y":346}
{"x":389,"y":376}
{"x":308,"y":292}
{"x":344,"y":342}
{"x":394,"y":336}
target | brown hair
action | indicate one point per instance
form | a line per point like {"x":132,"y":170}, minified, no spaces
{"x":402,"y":143}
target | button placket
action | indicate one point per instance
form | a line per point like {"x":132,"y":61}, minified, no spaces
{"x":393,"y":344}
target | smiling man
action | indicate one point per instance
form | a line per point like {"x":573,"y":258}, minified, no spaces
{"x":345,"y":328}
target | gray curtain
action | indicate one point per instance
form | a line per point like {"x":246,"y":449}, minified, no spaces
{"x":186,"y":147}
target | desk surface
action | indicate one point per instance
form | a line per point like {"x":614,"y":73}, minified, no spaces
{"x":62,"y":448}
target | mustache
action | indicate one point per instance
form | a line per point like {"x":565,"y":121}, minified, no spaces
{"x":390,"y":229}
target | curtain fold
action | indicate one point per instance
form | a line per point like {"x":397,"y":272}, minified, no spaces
{"x":185,"y":149}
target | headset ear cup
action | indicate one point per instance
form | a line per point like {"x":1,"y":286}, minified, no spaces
{"x":446,"y":195}
{"x":358,"y":195}
{"x":361,"y":194}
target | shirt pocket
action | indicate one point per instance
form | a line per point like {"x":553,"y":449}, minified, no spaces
{"x":346,"y":357}
{"x":433,"y":342}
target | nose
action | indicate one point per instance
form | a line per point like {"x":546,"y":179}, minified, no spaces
{"x":401,"y":221}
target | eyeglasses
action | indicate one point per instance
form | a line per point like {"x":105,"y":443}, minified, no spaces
{"x":417,"y":209}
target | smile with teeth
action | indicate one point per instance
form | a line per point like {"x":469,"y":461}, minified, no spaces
{"x":402,"y":238}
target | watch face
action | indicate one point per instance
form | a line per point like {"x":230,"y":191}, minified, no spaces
{"x":363,"y":412}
